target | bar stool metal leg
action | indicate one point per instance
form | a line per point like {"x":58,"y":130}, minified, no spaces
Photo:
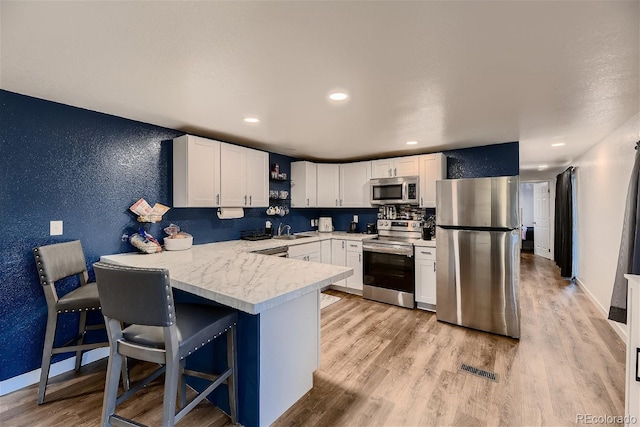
{"x":49,"y":336}
{"x":232,"y":381}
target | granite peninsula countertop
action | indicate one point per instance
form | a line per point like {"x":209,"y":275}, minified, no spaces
{"x":230,"y":274}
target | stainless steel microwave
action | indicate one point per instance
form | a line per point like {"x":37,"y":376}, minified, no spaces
{"x":393,"y":191}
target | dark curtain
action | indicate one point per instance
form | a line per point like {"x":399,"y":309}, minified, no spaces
{"x":563,"y":227}
{"x":629,"y":255}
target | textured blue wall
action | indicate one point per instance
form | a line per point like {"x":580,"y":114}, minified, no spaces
{"x":63,"y":163}
{"x":487,"y":161}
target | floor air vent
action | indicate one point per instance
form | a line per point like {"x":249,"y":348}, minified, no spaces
{"x":479,"y":372}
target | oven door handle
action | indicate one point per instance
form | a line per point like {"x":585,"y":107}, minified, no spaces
{"x":388,"y":249}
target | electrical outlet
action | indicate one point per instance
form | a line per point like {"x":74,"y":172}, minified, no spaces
{"x":312,"y":221}
{"x":355,"y":218}
{"x":55,"y":228}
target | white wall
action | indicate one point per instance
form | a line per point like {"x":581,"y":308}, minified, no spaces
{"x":526,"y":203}
{"x":602,"y":180}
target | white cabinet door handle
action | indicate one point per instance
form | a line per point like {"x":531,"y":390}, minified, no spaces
{"x":360,"y":258}
{"x":336,"y":202}
{"x":421,"y":202}
{"x":245,"y":200}
{"x":395,"y":172}
{"x":307,"y":202}
{"x":342,"y":245}
{"x":434,"y":266}
{"x":390,"y":172}
{"x":250,"y":203}
{"x":340,"y":202}
{"x":217,"y":199}
{"x":425,"y":253}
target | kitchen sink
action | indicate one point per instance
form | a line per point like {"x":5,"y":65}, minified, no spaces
{"x":290,"y":237}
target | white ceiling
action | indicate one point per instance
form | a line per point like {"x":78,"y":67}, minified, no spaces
{"x":447,"y":74}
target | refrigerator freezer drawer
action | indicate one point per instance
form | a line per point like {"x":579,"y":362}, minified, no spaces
{"x":478,"y":202}
{"x":478,"y":279}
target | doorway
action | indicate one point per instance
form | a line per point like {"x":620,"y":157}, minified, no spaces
{"x":536,"y":207}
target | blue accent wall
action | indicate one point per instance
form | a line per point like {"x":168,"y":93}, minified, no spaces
{"x":85,"y":168}
{"x":487,"y":161}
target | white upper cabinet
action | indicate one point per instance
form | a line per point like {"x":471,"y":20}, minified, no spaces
{"x":303,"y":185}
{"x":196,"y":172}
{"x":407,"y":166}
{"x":382,"y":168}
{"x":433,"y":167}
{"x":244,"y":177}
{"x":257,"y":178}
{"x":397,"y":166}
{"x":328,"y":185}
{"x":354,"y":184}
{"x":233,"y":172}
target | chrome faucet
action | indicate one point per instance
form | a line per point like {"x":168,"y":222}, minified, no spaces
{"x":283,"y":227}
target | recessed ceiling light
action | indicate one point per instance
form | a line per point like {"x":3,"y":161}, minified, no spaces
{"x":542,"y":167}
{"x":251,"y":119}
{"x":558,"y":144}
{"x":338,"y":96}
{"x":412,"y":142}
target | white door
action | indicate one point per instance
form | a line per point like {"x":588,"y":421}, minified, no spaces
{"x":233,"y":176}
{"x":407,"y":166}
{"x":354,"y":184}
{"x":196,"y":172}
{"x":328,"y":185}
{"x":382,"y":168}
{"x":339,"y":257}
{"x":257,"y":178}
{"x":425,"y":280}
{"x":432,"y":169}
{"x":354,"y":260}
{"x":541,"y":214}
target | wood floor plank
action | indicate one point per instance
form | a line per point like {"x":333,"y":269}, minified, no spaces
{"x":383,"y":365}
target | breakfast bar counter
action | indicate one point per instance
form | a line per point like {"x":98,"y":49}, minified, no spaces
{"x":279,"y":324}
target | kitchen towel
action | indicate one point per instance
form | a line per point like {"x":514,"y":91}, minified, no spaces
{"x":230,"y":213}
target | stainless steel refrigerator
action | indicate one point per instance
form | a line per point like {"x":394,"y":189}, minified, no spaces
{"x":478,"y":254}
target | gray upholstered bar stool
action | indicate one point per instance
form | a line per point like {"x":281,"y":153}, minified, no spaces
{"x":159,"y":332}
{"x":55,"y":263}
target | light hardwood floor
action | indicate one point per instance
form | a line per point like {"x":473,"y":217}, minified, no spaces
{"x":384,"y":365}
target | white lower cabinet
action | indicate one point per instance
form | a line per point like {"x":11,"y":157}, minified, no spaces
{"x":425,"y":261}
{"x":348,"y":253}
{"x":632,"y":394}
{"x":306,"y":252}
{"x":354,"y":260}
{"x":325,"y":251}
{"x":339,"y":257}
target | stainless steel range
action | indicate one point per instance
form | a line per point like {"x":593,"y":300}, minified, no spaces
{"x":389,"y":272}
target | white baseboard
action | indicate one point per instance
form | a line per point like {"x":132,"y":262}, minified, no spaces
{"x":620,"y":330}
{"x":16,"y":383}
